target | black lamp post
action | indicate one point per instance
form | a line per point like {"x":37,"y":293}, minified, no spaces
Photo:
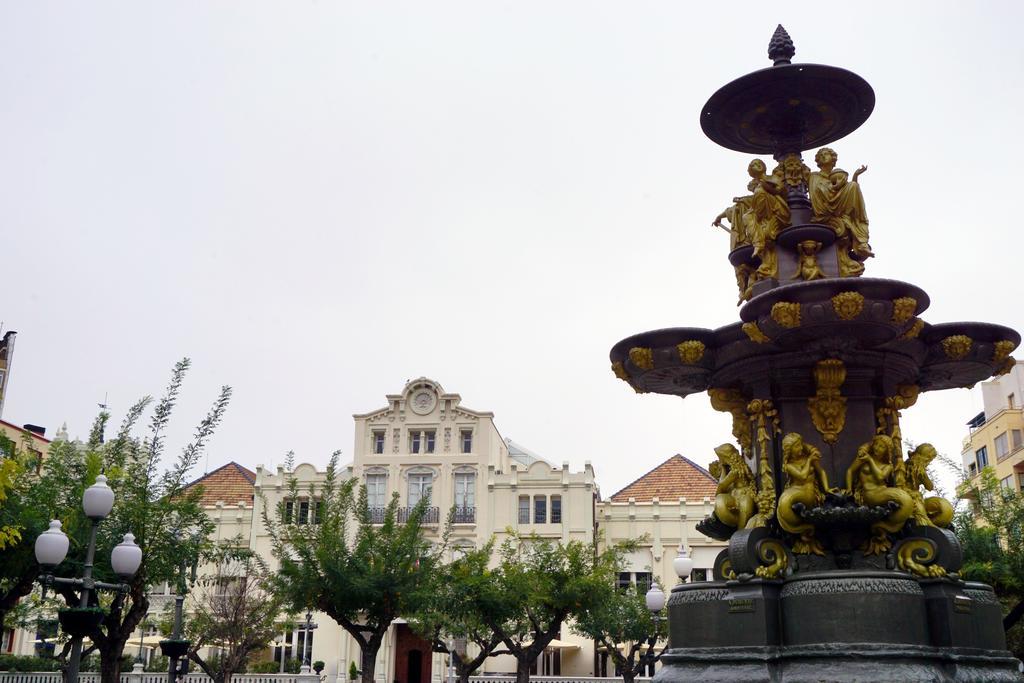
{"x":51,"y":548}
{"x":655,"y":599}
{"x":175,"y":648}
{"x":307,"y":644}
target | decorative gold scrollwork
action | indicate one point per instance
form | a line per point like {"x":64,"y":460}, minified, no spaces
{"x":1005,"y":367}
{"x":772,"y":553}
{"x":848,"y":305}
{"x":690,"y":351}
{"x":765,"y":420}
{"x":755,"y":334}
{"x":917,"y":556}
{"x":827,"y":406}
{"x":642,"y":358}
{"x":733,"y":402}
{"x":957,"y":346}
{"x":787,"y":314}
{"x":903,"y":309}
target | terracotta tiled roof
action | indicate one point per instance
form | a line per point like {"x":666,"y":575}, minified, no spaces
{"x":677,"y":476}
{"x":228,"y":484}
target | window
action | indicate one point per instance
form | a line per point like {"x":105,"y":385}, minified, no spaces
{"x":540,"y":509}
{"x":420,"y":486}
{"x":1020,"y":481}
{"x":981,"y":457}
{"x":466,"y":437}
{"x":556,"y":509}
{"x":303,"y":512}
{"x":378,"y":441}
{"x":465,"y":490}
{"x":624,"y":581}
{"x":1002,"y":446}
{"x":972,"y":469}
{"x":699,"y":575}
{"x":289,"y":510}
{"x":1015,"y":439}
{"x":524,"y":509}
{"x":643,"y":581}
{"x":1007,"y":483}
{"x":428,"y":441}
{"x":414,"y":442}
{"x":318,"y":512}
{"x":376,"y":485}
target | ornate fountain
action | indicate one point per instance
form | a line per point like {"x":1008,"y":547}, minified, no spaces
{"x":840,"y":565}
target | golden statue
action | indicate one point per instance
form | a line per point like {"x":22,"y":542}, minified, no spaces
{"x":806,"y":484}
{"x":933,"y":510}
{"x":734,"y":499}
{"x":807,"y":261}
{"x":871,"y":481}
{"x":838,"y":203}
{"x":768,"y":214}
{"x":738,"y":238}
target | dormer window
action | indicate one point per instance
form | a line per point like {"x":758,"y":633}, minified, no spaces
{"x":466,"y":438}
{"x":378,"y":441}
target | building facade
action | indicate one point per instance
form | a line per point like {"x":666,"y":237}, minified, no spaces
{"x":996,"y":437}
{"x":423,"y":443}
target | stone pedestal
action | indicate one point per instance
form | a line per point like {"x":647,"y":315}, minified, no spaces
{"x":873,"y":626}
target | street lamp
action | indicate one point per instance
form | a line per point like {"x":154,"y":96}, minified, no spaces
{"x":655,"y":599}
{"x":176,"y":647}
{"x":307,"y":644}
{"x":51,"y":548}
{"x":682,"y":564}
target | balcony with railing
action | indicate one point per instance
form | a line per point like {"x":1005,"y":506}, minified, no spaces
{"x":430,"y":516}
{"x":465,"y":515}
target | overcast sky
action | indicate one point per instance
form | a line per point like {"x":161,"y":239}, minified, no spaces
{"x":317,"y":201}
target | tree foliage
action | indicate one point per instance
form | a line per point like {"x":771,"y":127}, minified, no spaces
{"x":151,"y":501}
{"x":451,"y":614}
{"x":233,"y":609}
{"x":619,"y":621}
{"x":538,"y":585}
{"x":360,"y":571}
{"x":992,"y":536}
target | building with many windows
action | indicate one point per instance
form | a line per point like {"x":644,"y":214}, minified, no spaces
{"x":423,"y":443}
{"x":996,"y":437}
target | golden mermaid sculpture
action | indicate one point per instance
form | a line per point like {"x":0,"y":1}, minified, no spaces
{"x":933,"y":510}
{"x":870,"y":479}
{"x":806,"y":484}
{"x":735,"y":497}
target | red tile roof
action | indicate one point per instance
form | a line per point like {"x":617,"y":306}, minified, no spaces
{"x":228,"y":484}
{"x":676,"y":477}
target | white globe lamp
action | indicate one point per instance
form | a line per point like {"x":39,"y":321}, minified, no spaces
{"x":98,"y":499}
{"x":51,"y":546}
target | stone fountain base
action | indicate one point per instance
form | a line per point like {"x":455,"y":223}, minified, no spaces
{"x":855,"y":625}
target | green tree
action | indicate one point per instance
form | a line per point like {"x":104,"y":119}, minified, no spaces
{"x":152,"y":502}
{"x":362,"y":572}
{"x":233,"y":609}
{"x":992,"y":536}
{"x":538,"y":585}
{"x":618,"y":620}
{"x":452,"y":614}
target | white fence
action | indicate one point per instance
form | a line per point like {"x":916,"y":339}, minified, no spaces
{"x":157,"y":677}
{"x":128,"y":677}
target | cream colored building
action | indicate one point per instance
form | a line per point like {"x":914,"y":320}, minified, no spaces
{"x":996,"y":436}
{"x":424,"y":443}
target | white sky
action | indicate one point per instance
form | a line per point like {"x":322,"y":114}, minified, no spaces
{"x":317,"y":201}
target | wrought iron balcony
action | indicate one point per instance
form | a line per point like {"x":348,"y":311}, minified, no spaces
{"x":377,"y":515}
{"x":430,"y":516}
{"x":465,"y":515}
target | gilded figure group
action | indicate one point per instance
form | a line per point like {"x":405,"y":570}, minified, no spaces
{"x":755,"y":219}
{"x":878,"y":477}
